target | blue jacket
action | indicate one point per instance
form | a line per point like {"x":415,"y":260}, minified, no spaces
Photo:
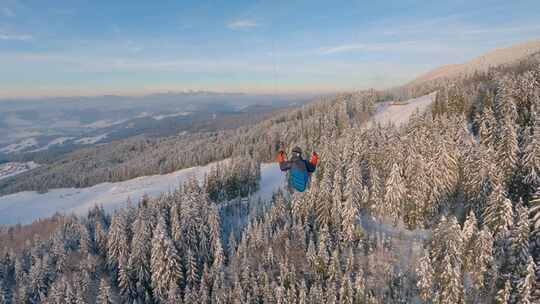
{"x":299,"y":172}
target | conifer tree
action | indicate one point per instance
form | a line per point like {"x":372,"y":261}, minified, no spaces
{"x":531,"y":157}
{"x":503,"y":295}
{"x":507,"y":149}
{"x":498,"y":215}
{"x":526,"y":284}
{"x":520,"y":238}
{"x":165,"y":264}
{"x":425,"y":278}
{"x":395,"y":192}
{"x":482,"y":260}
{"x":346,"y":293}
{"x":534,"y":215}
{"x":104,"y":293}
{"x":139,"y":260}
{"x":359,"y":289}
{"x":323,"y":205}
{"x":117,"y":243}
{"x":451,"y":286}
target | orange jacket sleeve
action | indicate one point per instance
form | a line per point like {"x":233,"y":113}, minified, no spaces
{"x":314,"y":159}
{"x":281,"y":157}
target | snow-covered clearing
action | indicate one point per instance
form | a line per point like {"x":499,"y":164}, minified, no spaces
{"x":13,"y":168}
{"x":100,"y":124}
{"x":91,"y":140}
{"x":163,"y":116}
{"x":20,"y":146}
{"x":399,"y":114}
{"x":55,"y":142}
{"x":27,"y":206}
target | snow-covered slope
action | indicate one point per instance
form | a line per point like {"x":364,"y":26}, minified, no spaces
{"x":13,"y":168}
{"x":163,"y":116}
{"x":23,"y":145}
{"x":55,"y":142}
{"x":483,"y":63}
{"x":399,"y":114}
{"x":25,"y":207}
{"x":91,"y":140}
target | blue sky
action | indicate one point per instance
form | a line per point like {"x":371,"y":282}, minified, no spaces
{"x":92,"y":47}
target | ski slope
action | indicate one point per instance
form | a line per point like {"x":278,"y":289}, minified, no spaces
{"x":399,"y":114}
{"x":25,"y":207}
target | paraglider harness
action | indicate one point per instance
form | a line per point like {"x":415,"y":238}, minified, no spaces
{"x":299,"y":169}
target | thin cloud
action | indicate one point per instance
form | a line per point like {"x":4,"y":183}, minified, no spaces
{"x":342,"y":48}
{"x":17,"y":37}
{"x":243,"y":25}
{"x":416,"y":46}
{"x":133,"y":47}
{"x":6,"y":11}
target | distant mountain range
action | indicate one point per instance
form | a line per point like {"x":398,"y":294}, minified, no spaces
{"x":60,"y":125}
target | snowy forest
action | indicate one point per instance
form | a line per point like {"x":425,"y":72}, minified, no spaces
{"x":136,"y":157}
{"x":443,"y":209}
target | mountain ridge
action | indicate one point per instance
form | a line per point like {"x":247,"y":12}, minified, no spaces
{"x":482,"y":63}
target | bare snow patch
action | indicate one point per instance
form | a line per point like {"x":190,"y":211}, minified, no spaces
{"x":104,"y":123}
{"x":25,"y":207}
{"x":400,"y":114}
{"x":91,"y":140}
{"x":163,"y":116}
{"x":14,"y":168}
{"x":20,"y":146}
{"x":55,"y":142}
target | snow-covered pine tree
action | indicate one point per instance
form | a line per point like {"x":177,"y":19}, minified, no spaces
{"x":520,"y":238}
{"x":531,"y":157}
{"x":139,"y":260}
{"x":101,"y":238}
{"x":323,"y":204}
{"x":104,"y":295}
{"x":482,"y":262}
{"x":520,"y":257}
{"x":507,"y":150}
{"x":425,"y":275}
{"x":165,"y":266}
{"x":337,"y":198}
{"x":526,"y":285}
{"x":117,"y":243}
{"x":376,"y":195}
{"x":346,"y":295}
{"x":469,"y":234}
{"x":503,"y":295}
{"x":534,"y":215}
{"x":487,"y":132}
{"x":395,"y":193}
{"x":192,"y":272}
{"x":450,"y":283}
{"x":498,"y":215}
{"x":174,"y":295}
{"x":57,"y":292}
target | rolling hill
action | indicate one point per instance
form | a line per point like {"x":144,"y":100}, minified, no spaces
{"x":483,"y":63}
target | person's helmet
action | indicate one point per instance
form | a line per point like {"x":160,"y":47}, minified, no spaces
{"x":297,"y":150}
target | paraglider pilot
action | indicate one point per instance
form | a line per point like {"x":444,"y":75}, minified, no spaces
{"x":299,"y":169}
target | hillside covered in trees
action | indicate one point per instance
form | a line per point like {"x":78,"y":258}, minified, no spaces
{"x":443,"y":209}
{"x":126,"y":159}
